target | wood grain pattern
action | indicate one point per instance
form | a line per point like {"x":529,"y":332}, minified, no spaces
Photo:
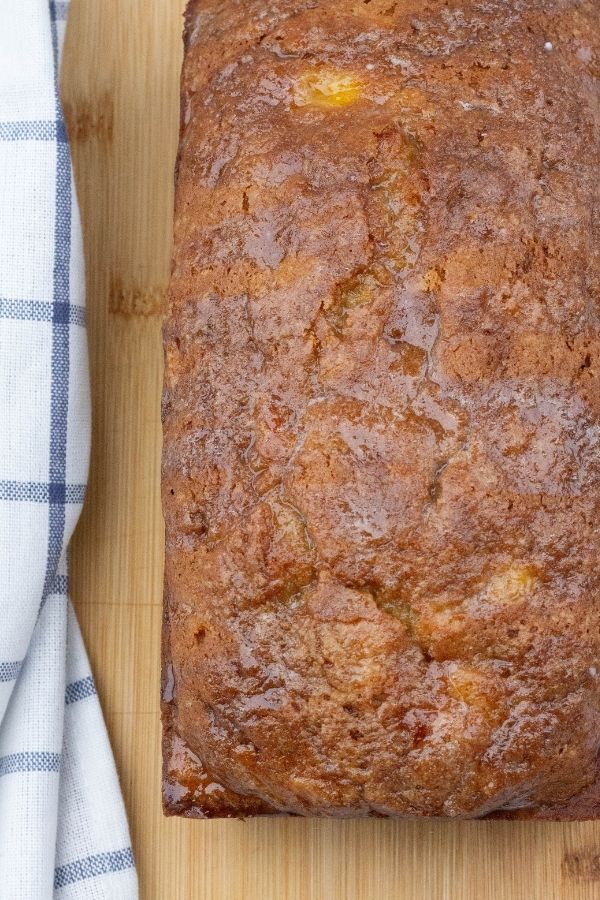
{"x":120,"y":89}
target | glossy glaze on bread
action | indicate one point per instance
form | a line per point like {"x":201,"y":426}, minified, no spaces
{"x":381,"y":469}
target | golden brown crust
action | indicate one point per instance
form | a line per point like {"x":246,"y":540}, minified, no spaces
{"x":381,"y":470}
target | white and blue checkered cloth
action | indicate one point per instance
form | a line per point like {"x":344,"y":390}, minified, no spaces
{"x":63,"y":830}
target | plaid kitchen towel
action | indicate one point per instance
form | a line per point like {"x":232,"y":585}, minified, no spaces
{"x":63,"y":831}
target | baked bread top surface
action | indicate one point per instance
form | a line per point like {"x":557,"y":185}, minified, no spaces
{"x":381,"y":469}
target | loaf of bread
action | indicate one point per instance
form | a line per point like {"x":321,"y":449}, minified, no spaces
{"x":381,"y":470}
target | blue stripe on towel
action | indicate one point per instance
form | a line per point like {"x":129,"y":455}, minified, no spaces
{"x":29,"y":761}
{"x":41,"y":492}
{"x":79,"y":690}
{"x":39,"y":311}
{"x":93,"y":866}
{"x":9,"y":670}
{"x":34,"y":130}
{"x":59,"y":384}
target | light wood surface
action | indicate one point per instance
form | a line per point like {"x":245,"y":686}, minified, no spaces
{"x":121,"y":92}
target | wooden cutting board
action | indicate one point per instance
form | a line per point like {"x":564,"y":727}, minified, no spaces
{"x":121,"y":95}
